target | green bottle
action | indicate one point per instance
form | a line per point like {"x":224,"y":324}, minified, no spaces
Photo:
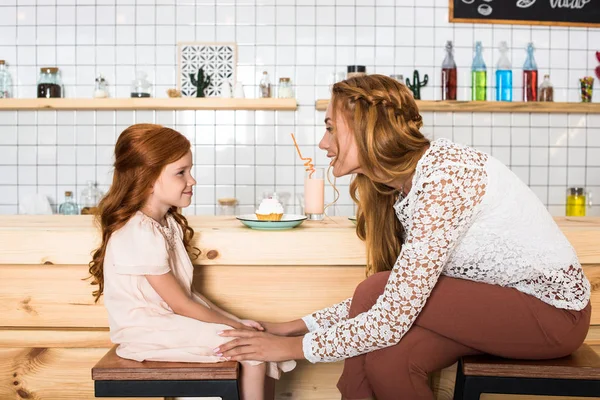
{"x":478,"y":75}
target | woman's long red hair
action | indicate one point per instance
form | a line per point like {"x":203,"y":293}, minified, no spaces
{"x":141,"y":153}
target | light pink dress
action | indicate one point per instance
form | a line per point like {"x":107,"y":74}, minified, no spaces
{"x":141,"y":322}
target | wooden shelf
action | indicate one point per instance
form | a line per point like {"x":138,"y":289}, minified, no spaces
{"x":497,"y":106}
{"x":181,"y":103}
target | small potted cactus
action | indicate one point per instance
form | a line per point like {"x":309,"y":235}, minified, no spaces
{"x":202,"y":81}
{"x":417,"y":84}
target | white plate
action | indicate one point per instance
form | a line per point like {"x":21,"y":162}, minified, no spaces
{"x":288,"y":221}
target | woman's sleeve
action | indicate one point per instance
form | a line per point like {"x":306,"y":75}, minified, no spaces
{"x":139,"y":249}
{"x":327,"y":317}
{"x":443,"y":211}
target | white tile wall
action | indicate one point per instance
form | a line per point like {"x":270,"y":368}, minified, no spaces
{"x":245,"y":153}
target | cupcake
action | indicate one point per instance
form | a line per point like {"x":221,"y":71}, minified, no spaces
{"x":269,"y":210}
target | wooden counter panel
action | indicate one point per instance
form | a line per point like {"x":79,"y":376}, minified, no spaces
{"x":47,"y":374}
{"x":56,"y":296}
{"x":301,"y":246}
{"x":55,"y":338}
{"x":70,"y":240}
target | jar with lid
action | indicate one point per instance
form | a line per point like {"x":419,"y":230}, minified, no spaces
{"x":227,"y":206}
{"x":578,"y":199}
{"x":140,"y":87}
{"x":356,"y":70}
{"x":49,"y":84}
{"x":398,"y":77}
{"x":90,"y":197}
{"x":285,"y":90}
{"x":264,"y":87}
{"x":546,"y":92}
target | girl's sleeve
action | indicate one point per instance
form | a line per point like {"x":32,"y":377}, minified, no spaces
{"x":139,"y":249}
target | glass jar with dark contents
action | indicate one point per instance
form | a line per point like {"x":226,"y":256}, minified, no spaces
{"x":49,"y":83}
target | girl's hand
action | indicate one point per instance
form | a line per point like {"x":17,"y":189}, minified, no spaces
{"x":252,"y":324}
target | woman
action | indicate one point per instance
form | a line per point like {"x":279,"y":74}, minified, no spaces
{"x":477,"y":263}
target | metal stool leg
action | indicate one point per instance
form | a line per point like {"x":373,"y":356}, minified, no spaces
{"x":230,"y":391}
{"x":459,"y":385}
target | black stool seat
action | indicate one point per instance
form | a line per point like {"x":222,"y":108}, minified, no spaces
{"x":117,"y":377}
{"x":574,"y":375}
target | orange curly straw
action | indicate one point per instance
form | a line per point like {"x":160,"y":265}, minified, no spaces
{"x":307,"y":160}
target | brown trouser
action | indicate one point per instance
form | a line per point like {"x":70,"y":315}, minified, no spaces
{"x":460,"y":318}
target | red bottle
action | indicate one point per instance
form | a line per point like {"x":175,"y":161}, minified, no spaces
{"x":449,"y":74}
{"x":530,"y":76}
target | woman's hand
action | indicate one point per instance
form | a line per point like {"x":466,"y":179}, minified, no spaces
{"x":259,"y":346}
{"x":291,"y":328}
{"x":252,"y":324}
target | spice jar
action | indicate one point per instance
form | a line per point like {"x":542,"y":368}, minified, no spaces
{"x":284,"y":90}
{"x":227,"y":206}
{"x":356,"y":70}
{"x":577,"y":201}
{"x":264,"y":87}
{"x":140,"y":87}
{"x":546,"y":92}
{"x":49,"y":83}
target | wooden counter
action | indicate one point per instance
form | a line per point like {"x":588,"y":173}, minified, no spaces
{"x":51,"y":332}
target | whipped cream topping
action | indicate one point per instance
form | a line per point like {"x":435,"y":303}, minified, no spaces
{"x":269,"y":206}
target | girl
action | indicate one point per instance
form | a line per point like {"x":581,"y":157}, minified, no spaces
{"x":143,"y":268}
{"x":463,"y":258}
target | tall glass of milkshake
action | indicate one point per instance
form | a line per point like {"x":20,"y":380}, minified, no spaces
{"x":314,"y":194}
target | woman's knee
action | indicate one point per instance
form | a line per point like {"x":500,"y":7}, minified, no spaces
{"x":367,"y":292}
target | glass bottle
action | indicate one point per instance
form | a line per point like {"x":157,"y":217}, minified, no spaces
{"x":101,"y":91}
{"x":285,"y":91}
{"x":227,"y":206}
{"x":577,"y":201}
{"x":5,"y":81}
{"x":355,"y":70}
{"x":504,"y":75}
{"x":546,"y":92}
{"x":90,"y":197}
{"x":530,"y":76}
{"x":478,"y":75}
{"x":68,"y":207}
{"x":449,"y":74}
{"x":49,"y":83}
{"x":140,"y":87}
{"x":398,"y":77}
{"x":264,"y":87}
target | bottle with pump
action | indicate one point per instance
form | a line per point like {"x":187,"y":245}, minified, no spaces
{"x":478,"y":75}
{"x":504,"y":75}
{"x":449,"y":74}
{"x":530,"y":76}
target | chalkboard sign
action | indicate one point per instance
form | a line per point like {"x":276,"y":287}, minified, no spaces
{"x":527,"y":12}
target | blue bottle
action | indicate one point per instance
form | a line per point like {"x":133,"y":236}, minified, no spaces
{"x":503,"y":75}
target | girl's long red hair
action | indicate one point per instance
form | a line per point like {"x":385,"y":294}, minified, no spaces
{"x":141,"y":153}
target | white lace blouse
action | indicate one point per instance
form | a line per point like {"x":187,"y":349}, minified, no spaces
{"x":467,"y":216}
